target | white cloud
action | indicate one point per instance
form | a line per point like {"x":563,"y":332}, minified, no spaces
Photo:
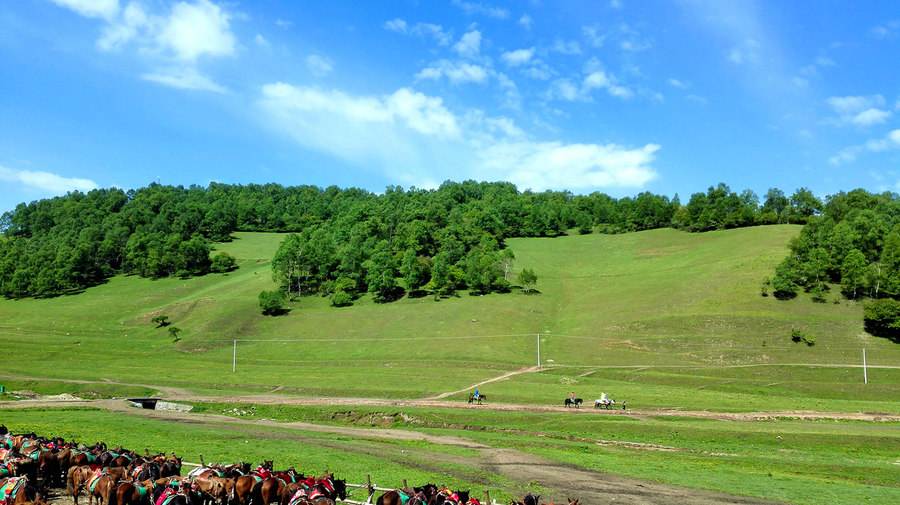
{"x":198,"y":29}
{"x":539,"y":70}
{"x":700,"y":100}
{"x":615,"y":4}
{"x":457,"y":72}
{"x":46,"y":182}
{"x":415,"y":138}
{"x":824,"y":61}
{"x":860,"y":111}
{"x":177,"y":39}
{"x":318,"y":65}
{"x":518,"y":57}
{"x":116,"y":34}
{"x":595,"y":78}
{"x":395,"y":25}
{"x":677,"y":83}
{"x":433,"y":31}
{"x":481,"y":9}
{"x":565,"y":89}
{"x":525,"y":21}
{"x":848,"y":105}
{"x":284,"y":24}
{"x":889,"y":142}
{"x":567,"y":47}
{"x":261,"y":41}
{"x":601,"y":80}
{"x":887,"y":30}
{"x":187,"y":78}
{"x":512,"y":97}
{"x":105,"y":9}
{"x":543,"y":165}
{"x":469,"y":44}
{"x":594,"y":36}
{"x":871,"y":117}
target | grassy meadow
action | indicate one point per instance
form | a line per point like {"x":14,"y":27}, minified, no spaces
{"x":675,"y":306}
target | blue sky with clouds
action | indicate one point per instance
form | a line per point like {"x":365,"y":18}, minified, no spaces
{"x":618,"y":96}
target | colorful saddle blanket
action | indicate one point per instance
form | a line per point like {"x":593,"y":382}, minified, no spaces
{"x":10,"y":488}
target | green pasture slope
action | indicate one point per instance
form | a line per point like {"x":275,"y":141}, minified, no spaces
{"x":684,"y":309}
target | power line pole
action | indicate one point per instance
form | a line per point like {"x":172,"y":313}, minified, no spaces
{"x":865,"y":371}
{"x":234,"y":357}
{"x":539,"y":350}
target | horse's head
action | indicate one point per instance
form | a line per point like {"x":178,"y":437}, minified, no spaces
{"x":463,"y":496}
{"x":340,"y":488}
{"x":576,"y":501}
{"x":267,"y":464}
{"x":531,"y":499}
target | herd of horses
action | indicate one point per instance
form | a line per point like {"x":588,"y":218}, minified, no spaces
{"x":30,"y":466}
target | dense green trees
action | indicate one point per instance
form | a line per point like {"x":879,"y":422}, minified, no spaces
{"x":414,"y":241}
{"x":854,"y":242}
{"x":882,"y":318}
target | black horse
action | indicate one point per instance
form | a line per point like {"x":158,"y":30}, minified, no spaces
{"x":573,"y":402}
{"x":478,"y":400}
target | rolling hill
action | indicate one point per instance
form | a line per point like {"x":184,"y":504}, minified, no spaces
{"x":681,"y":311}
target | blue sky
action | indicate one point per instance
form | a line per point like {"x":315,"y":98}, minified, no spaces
{"x":618,"y":96}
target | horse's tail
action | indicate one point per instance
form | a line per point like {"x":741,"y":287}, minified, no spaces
{"x":109,"y":497}
{"x":70,"y":480}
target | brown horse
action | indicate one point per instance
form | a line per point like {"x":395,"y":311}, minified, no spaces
{"x":17,"y":491}
{"x":48,"y":468}
{"x":103,"y":488}
{"x":247,"y":489}
{"x":134,"y":493}
{"x":214,"y":489}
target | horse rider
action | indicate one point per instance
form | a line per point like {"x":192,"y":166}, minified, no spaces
{"x":476,"y":395}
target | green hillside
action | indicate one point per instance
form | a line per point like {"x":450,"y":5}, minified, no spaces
{"x":651,"y":299}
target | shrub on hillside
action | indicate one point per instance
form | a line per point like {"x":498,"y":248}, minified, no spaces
{"x":799,"y":336}
{"x":223,"y":262}
{"x":882,"y":318}
{"x":341,"y":299}
{"x":272,"y":302}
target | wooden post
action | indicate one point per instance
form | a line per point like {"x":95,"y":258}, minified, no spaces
{"x":487,"y":497}
{"x":369,"y":488}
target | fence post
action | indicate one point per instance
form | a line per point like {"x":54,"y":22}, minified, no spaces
{"x":487,"y":497}
{"x":369,"y":488}
{"x":865,"y":368}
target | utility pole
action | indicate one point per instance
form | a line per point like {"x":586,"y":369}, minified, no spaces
{"x":865,"y":371}
{"x":539,"y":350}
{"x":234,"y":357}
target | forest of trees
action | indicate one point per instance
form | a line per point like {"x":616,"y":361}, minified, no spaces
{"x":853,"y":244}
{"x":345,"y":242}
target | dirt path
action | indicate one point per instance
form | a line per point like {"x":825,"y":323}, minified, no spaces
{"x":177,"y":394}
{"x":564,"y":480}
{"x":507,"y":375}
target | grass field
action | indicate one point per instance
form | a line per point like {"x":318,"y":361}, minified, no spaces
{"x":785,"y":460}
{"x":795,"y":461}
{"x":662,"y":319}
{"x":651,"y":299}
